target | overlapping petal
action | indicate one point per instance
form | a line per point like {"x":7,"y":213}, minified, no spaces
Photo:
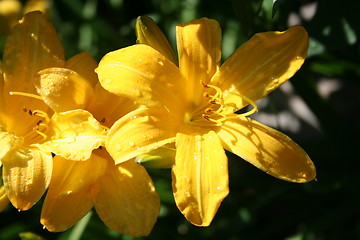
{"x":8,"y":142}
{"x":261,"y":65}
{"x":144,"y":75}
{"x":199,"y":49}
{"x":147,"y":32}
{"x":200,"y":176}
{"x":4,"y":201}
{"x":26,"y":173}
{"x":84,"y":64}
{"x":139,"y":132}
{"x":268,"y":149}
{"x":125,"y":199}
{"x":69,"y":197}
{"x":32,"y":46}
{"x":63,"y":89}
{"x":74,"y":135}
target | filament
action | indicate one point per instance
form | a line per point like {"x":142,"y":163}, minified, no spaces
{"x":26,"y":95}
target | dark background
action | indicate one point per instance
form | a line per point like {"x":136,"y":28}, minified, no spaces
{"x":318,"y":108}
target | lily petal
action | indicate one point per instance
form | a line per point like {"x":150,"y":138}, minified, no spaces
{"x":200,"y":176}
{"x":32,"y":46}
{"x":126,"y":201}
{"x":84,"y":64}
{"x":116,"y":106}
{"x":144,"y":75}
{"x":74,"y":135}
{"x":162,"y":157}
{"x":33,"y":41}
{"x":8,"y":142}
{"x":267,"y":149}
{"x":199,"y":48}
{"x":26,"y":173}
{"x":69,"y":198}
{"x":147,"y":32}
{"x":261,"y":65}
{"x":63,"y":89}
{"x":4,"y":201}
{"x":139,"y":132}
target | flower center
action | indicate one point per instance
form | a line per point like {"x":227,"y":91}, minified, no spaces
{"x":41,"y":125}
{"x":212,"y":111}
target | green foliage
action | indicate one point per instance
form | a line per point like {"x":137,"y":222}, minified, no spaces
{"x":258,"y":206}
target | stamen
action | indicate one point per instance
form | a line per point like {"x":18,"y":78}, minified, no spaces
{"x":25,"y":95}
{"x":41,"y":134}
{"x":252,"y":103}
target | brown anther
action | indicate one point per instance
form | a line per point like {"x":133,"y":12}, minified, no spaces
{"x":39,"y":122}
{"x":206,"y":95}
{"x":213,"y":101}
{"x":24,"y":109}
{"x":209,"y":110}
{"x":30,"y":112}
{"x":103,"y":120}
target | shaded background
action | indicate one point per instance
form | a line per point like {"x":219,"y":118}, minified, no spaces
{"x":318,"y":108}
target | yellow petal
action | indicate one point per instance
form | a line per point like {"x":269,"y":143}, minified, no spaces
{"x":63,"y":89}
{"x":108,"y":107}
{"x":84,"y":64}
{"x":26,"y":174}
{"x":32,"y":46}
{"x":162,"y":157}
{"x":147,"y":32}
{"x":267,"y":149}
{"x":4,"y":201}
{"x":70,"y":176}
{"x":74,"y":135}
{"x":199,"y":48}
{"x":59,"y":213}
{"x":126,"y":201}
{"x":139,"y":132}
{"x":144,"y":75}
{"x":8,"y":142}
{"x":69,"y":198}
{"x":200,"y":176}
{"x":261,"y":65}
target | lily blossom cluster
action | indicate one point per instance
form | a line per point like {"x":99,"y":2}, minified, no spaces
{"x":74,"y":131}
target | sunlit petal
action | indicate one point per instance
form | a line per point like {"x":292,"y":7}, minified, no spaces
{"x":69,"y":198}
{"x":200,"y":176}
{"x":126,"y":201}
{"x":84,"y":64}
{"x":26,"y":173}
{"x":199,"y":48}
{"x":63,"y":89}
{"x":8,"y":142}
{"x":60,"y":212}
{"x":144,"y":75}
{"x":269,"y":150}
{"x":74,"y":135}
{"x":261,"y":65}
{"x":139,"y":132}
{"x":147,"y":32}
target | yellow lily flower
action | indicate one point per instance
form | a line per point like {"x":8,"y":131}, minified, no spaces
{"x":26,"y":170}
{"x":123,"y":195}
{"x":195,"y":105}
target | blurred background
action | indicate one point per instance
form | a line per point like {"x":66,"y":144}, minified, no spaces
{"x":318,"y":108}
